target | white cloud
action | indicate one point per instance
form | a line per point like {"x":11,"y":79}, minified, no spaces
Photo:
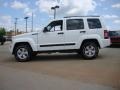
{"x":117,"y":21}
{"x":18,"y":5}
{"x":5,"y":21}
{"x":105,"y":8}
{"x":5,"y":4}
{"x":45,"y":5}
{"x":67,"y":7}
{"x":102,"y":0}
{"x":99,"y":4}
{"x":116,"y":5}
{"x":110,"y":16}
{"x":26,"y":9}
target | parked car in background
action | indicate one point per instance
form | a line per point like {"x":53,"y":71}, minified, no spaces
{"x":114,"y":37}
{"x":8,"y":38}
{"x":2,"y":40}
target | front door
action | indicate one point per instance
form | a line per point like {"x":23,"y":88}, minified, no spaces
{"x":53,"y":38}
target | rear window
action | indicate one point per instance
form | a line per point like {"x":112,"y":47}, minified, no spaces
{"x":94,"y":23}
{"x":75,"y":24}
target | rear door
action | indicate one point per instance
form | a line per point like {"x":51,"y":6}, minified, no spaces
{"x":74,"y":30}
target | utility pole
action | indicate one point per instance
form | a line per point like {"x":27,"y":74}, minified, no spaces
{"x":54,"y":8}
{"x":16,"y":25}
{"x":32,"y":23}
{"x":26,"y":22}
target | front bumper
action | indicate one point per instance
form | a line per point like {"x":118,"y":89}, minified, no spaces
{"x":11,"y":48}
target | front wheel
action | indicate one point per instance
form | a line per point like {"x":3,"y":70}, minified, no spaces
{"x":34,"y":54}
{"x":2,"y":43}
{"x":89,"y":50}
{"x":23,"y":53}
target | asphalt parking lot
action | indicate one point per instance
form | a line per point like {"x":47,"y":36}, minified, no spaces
{"x":103,"y":71}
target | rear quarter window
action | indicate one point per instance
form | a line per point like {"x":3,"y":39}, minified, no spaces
{"x":94,"y":23}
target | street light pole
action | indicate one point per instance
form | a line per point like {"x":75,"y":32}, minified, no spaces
{"x":54,"y":13}
{"x":32,"y":23}
{"x":16,"y":25}
{"x":54,"y":8}
{"x":26,"y":22}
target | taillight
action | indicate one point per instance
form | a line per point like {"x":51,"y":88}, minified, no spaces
{"x":106,"y":34}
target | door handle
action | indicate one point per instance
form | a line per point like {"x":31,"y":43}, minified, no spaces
{"x":61,"y":33}
{"x":82,"y":31}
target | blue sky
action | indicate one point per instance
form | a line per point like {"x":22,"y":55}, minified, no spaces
{"x":11,"y":9}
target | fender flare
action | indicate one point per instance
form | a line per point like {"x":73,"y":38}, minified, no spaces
{"x":31,"y":42}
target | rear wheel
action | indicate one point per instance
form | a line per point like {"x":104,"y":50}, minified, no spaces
{"x":23,"y":53}
{"x":89,"y":50}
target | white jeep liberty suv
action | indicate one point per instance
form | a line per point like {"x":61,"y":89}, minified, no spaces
{"x":82,"y":34}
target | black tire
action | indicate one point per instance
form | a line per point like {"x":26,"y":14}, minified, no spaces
{"x":92,"y":52}
{"x":2,"y":43}
{"x":34,"y":54}
{"x":27,"y":56}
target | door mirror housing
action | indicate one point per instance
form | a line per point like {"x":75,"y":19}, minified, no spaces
{"x":45,"y":29}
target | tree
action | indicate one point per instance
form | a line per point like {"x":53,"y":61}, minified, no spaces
{"x":2,"y":31}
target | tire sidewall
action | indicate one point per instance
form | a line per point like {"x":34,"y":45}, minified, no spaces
{"x":29,"y":53}
{"x":87,"y":44}
{"x":2,"y":42}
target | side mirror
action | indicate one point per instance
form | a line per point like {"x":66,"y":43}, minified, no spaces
{"x":45,"y":30}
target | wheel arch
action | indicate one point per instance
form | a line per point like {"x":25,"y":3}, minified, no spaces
{"x":21,"y":43}
{"x":91,"y":40}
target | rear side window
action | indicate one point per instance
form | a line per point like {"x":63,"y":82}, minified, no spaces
{"x":75,"y":24}
{"x":94,"y":23}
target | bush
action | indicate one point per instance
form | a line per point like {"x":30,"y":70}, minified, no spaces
{"x":2,"y":31}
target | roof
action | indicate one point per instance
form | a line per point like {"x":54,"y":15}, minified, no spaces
{"x":80,"y":16}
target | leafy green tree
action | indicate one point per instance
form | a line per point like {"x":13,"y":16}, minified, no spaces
{"x":2,"y":31}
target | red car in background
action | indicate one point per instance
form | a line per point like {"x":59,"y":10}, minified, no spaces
{"x":114,"y":37}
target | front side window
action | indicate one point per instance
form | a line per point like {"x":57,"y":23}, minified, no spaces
{"x":55,"y":26}
{"x":94,"y":23}
{"x":75,"y":24}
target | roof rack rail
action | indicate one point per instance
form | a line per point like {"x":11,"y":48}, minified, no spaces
{"x":80,"y":16}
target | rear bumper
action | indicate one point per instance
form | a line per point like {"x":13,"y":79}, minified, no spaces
{"x":105,"y":43}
